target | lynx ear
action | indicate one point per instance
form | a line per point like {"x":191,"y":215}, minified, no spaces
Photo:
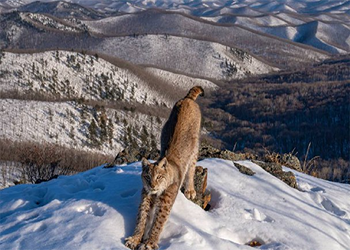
{"x":163,"y":163}
{"x":145,"y":162}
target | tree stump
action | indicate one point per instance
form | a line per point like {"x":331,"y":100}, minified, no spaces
{"x":203,"y":196}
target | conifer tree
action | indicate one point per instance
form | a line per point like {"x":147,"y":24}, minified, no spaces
{"x":93,"y":136}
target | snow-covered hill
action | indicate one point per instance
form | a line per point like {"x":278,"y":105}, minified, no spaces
{"x":176,"y":52}
{"x":54,"y":96}
{"x":97,"y":210}
{"x":325,"y":32}
{"x":61,"y":9}
{"x":268,"y":17}
{"x":189,"y":56}
{"x":237,"y":36}
{"x":67,"y":124}
{"x":205,"y":7}
{"x":78,"y":75}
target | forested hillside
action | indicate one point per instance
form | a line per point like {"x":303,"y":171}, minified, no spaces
{"x":286,"y":112}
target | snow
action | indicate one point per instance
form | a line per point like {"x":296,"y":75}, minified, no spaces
{"x":290,"y":18}
{"x":130,"y":6}
{"x":47,"y":21}
{"x":258,"y":15}
{"x":76,"y":75}
{"x":181,"y":81}
{"x":97,"y":210}
{"x":196,"y":58}
{"x":66,"y":124}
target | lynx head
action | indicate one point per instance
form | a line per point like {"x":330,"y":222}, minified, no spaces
{"x":155,"y":176}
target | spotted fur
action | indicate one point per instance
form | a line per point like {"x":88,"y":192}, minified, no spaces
{"x":176,"y":166}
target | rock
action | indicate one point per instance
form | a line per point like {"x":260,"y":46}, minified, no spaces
{"x":129,"y":155}
{"x":207,"y":151}
{"x":291,"y":161}
{"x":203,"y":196}
{"x":152,"y":154}
{"x":288,"y":160}
{"x":243,"y":169}
{"x":276,"y":170}
{"x":200,"y":179}
{"x":254,"y":243}
{"x":206,"y":197}
{"x":289,"y":178}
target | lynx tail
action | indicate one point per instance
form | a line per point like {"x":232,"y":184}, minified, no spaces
{"x":195,"y":92}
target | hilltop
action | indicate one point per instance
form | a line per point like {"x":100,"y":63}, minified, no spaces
{"x":97,"y":209}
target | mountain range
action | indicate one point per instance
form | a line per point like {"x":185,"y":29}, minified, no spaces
{"x":126,"y":62}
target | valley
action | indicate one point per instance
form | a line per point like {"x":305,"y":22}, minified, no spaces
{"x":98,"y":77}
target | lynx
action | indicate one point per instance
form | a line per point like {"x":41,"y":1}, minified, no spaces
{"x":174,"y":169}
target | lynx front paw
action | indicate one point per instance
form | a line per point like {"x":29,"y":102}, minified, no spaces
{"x":190,"y":194}
{"x":149,"y":246}
{"x":132,"y":242}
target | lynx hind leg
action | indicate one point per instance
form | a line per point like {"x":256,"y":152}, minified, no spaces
{"x":190,"y":191}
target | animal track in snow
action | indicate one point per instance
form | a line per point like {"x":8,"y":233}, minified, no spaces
{"x":316,"y":194}
{"x":80,"y":185}
{"x":255,"y":214}
{"x":327,"y":204}
{"x":318,"y":189}
{"x":173,"y":232}
{"x":306,"y":187}
{"x":128,"y":193}
{"x":93,"y":209}
{"x":227,"y":234}
{"x":98,"y":186}
{"x":331,"y":207}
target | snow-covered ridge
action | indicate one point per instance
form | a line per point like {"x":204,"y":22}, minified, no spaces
{"x":273,"y":51}
{"x":65,"y":77}
{"x":78,"y":75}
{"x":277,"y":18}
{"x":69,"y":74}
{"x":48,"y":22}
{"x":120,"y":36}
{"x":186,"y":55}
{"x":208,"y":7}
{"x":97,"y":210}
{"x":326,"y":32}
{"x":67,"y":124}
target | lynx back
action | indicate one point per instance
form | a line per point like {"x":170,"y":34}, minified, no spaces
{"x":175,"y":168}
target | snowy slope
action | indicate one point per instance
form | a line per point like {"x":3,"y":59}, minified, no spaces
{"x":97,"y":210}
{"x":118,"y":36}
{"x":260,"y":15}
{"x":67,"y":124}
{"x":64,"y":77}
{"x":197,"y":58}
{"x":78,"y":75}
{"x":202,"y":7}
{"x":237,"y":36}
{"x":325,"y":32}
